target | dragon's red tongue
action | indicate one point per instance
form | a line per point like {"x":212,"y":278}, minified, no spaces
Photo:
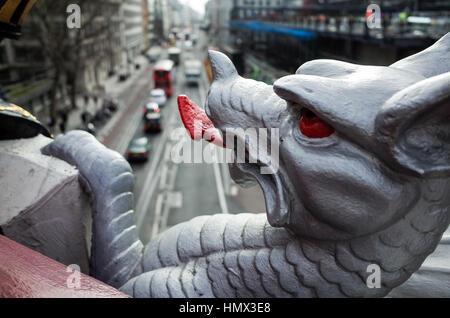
{"x":197,"y":122}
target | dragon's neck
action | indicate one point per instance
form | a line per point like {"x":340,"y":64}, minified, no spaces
{"x":399,"y":250}
{"x":243,"y":256}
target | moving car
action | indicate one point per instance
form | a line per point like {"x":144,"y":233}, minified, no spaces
{"x":150,"y":108}
{"x":138,"y":149}
{"x":123,"y":74}
{"x":152,"y":123}
{"x":158,"y":96}
{"x":154,"y":54}
{"x":174,"y":55}
{"x":188,"y":45}
{"x":192,"y":72}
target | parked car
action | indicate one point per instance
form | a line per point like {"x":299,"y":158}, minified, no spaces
{"x":174,"y":54}
{"x":99,"y":116}
{"x":86,"y":117}
{"x":188,"y":45}
{"x":158,"y":96}
{"x":138,"y":149}
{"x":153,"y":123}
{"x":150,"y":108}
{"x":102,"y":115}
{"x":111,"y":103}
{"x":123,"y":75}
{"x":154,"y":54}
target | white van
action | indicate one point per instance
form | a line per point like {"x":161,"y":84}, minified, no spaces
{"x":193,"y":72}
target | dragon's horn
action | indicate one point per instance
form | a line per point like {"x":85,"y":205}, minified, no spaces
{"x":221,"y":65}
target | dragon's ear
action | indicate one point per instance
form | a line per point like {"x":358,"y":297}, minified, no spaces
{"x":413,"y":128}
{"x":431,"y":62}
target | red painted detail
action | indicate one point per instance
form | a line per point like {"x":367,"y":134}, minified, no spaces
{"x":197,"y":122}
{"x":25,"y":273}
{"x":314,"y":127}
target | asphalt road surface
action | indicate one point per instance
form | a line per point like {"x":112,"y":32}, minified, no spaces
{"x":167,"y":193}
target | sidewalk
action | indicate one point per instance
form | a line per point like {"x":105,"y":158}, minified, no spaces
{"x":113,"y":89}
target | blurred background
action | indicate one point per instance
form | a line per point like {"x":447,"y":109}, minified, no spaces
{"x":118,"y":75}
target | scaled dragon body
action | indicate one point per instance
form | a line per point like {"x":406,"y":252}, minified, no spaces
{"x":374,"y":192}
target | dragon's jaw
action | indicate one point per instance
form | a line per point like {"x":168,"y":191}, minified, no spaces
{"x":276,"y":198}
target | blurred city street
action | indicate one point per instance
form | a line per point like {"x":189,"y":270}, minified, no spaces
{"x":167,"y":193}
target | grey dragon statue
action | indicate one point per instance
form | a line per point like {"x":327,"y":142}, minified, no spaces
{"x":374,"y":190}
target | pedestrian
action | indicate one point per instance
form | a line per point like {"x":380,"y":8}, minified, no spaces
{"x":62,"y":127}
{"x":64,"y":116}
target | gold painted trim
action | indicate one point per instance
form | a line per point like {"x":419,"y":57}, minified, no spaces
{"x":27,"y":9}
{"x":8,"y":10}
{"x":17,"y":109}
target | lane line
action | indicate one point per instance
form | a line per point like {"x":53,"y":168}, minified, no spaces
{"x":156,"y":221}
{"x":220,"y":190}
{"x":163,"y":180}
{"x":169,"y":198}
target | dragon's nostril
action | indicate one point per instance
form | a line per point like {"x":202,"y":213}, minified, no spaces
{"x":314,"y":127}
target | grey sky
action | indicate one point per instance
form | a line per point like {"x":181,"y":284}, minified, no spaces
{"x":198,"y":5}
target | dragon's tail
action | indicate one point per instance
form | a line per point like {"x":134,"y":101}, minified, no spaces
{"x":116,"y":250}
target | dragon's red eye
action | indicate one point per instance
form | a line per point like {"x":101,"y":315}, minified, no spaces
{"x":313,"y":127}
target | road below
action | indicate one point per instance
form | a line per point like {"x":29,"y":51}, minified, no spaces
{"x":167,"y":193}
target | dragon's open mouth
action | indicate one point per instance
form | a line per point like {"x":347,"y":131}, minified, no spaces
{"x":272,"y":186}
{"x":200,"y":126}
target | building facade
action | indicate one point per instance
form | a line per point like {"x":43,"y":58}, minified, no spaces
{"x":218,"y":16}
{"x":27,"y":71}
{"x":291,"y":32}
{"x":132,"y":33}
{"x":101,"y":48}
{"x":161,"y":21}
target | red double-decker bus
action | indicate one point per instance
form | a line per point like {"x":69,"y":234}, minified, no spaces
{"x":162,"y":75}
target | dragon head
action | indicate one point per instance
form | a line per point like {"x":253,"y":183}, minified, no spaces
{"x":356,"y":143}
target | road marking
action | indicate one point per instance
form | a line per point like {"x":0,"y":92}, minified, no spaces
{"x":226,"y":178}
{"x":173,"y":177}
{"x":163,"y":180}
{"x":165,"y":214}
{"x":220,"y":191}
{"x":177,"y":200}
{"x":168,"y":152}
{"x":234,"y":190}
{"x":166,"y":200}
{"x":156,"y":221}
